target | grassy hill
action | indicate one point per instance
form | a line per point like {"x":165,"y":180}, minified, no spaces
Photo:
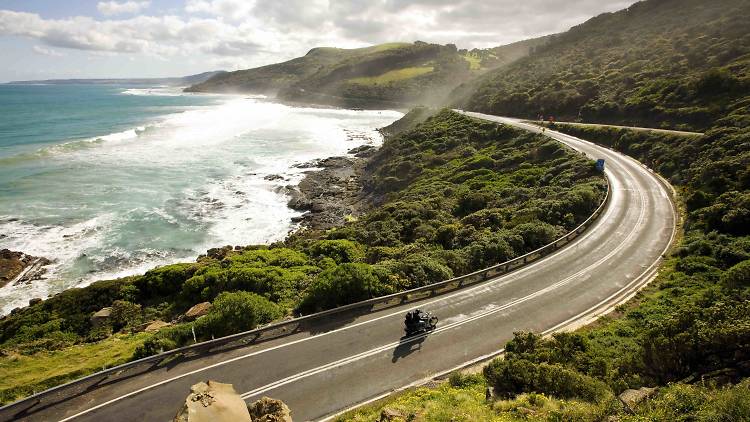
{"x":393,"y":74}
{"x":664,"y":63}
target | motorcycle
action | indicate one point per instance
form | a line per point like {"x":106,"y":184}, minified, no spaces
{"x":418,"y":321}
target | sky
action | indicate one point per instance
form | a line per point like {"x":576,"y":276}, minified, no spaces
{"x":46,"y":39}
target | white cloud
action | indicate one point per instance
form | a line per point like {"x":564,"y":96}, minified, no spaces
{"x":109,"y":8}
{"x":46,"y":51}
{"x":255,"y":32}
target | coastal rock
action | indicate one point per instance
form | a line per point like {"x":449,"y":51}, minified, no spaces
{"x":333,"y":194}
{"x":155,"y":326}
{"x":631,"y":398}
{"x":389,"y":415}
{"x":307,"y":164}
{"x":198,"y":310}
{"x":35,"y":301}
{"x":101,"y":317}
{"x":269,"y":410}
{"x":20,"y":268}
{"x":219,"y":253}
{"x":213,"y":401}
{"x":362,"y":151}
{"x":273,"y":177}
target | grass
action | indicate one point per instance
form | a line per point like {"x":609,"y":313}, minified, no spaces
{"x":475,"y":62}
{"x":388,"y":46}
{"x":467,"y":403}
{"x":22,"y":375}
{"x":393,"y":75}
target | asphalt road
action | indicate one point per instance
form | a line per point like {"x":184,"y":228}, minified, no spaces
{"x":319,"y":374}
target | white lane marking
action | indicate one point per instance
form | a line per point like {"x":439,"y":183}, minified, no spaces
{"x":491,"y":311}
{"x":638,"y":280}
{"x":498,"y":282}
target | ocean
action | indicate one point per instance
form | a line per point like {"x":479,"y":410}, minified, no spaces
{"x":109,"y":181}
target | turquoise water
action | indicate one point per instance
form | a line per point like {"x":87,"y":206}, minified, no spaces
{"x":113,"y":180}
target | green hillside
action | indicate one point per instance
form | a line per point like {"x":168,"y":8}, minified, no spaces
{"x":665,"y":63}
{"x":385,"y":75}
{"x":453,"y":195}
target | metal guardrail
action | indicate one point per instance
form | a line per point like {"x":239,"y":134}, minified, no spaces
{"x":52,"y":396}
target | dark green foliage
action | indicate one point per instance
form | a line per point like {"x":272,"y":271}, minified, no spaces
{"x":514,"y":376}
{"x":234,"y":312}
{"x":737,"y":277}
{"x":344,"y":284}
{"x":470,"y":194}
{"x":125,"y":314}
{"x":340,"y":250}
{"x":696,"y":317}
{"x":672,"y":63}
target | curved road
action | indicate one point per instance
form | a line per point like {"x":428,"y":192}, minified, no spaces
{"x":319,"y":374}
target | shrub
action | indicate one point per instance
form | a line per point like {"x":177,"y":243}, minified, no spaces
{"x":738,"y":276}
{"x":516,"y":376}
{"x":125,"y":314}
{"x":234,"y":312}
{"x":344,"y":284}
{"x":341,"y":251}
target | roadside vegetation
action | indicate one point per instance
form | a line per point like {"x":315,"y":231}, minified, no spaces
{"x":451,"y":195}
{"x":687,"y":333}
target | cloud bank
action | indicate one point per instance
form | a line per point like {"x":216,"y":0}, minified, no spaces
{"x":245,"y":32}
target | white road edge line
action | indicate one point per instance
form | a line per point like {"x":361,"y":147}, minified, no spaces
{"x":374,"y":351}
{"x":641,"y":281}
{"x":494,"y":283}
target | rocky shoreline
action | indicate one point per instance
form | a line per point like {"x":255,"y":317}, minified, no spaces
{"x":331,"y":192}
{"x":19,"y":268}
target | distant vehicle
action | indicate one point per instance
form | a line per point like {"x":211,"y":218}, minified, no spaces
{"x":600,"y":164}
{"x":418,"y":321}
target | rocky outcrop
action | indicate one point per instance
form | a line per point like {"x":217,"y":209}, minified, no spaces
{"x":101,"y":317}
{"x":269,"y":410}
{"x":213,"y":401}
{"x":155,"y":326}
{"x":197,"y":311}
{"x":17,"y":267}
{"x":330,"y":195}
{"x":631,"y":398}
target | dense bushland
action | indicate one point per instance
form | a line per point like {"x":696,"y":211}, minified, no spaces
{"x":670,"y":63}
{"x":687,"y":332}
{"x":453,"y":194}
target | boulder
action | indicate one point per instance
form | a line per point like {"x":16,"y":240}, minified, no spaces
{"x":155,"y":326}
{"x":20,"y":268}
{"x":390,"y":415}
{"x":213,"y":401}
{"x":101,"y":317}
{"x":34,"y":301}
{"x":269,"y":410}
{"x":198,"y":310}
{"x":631,"y":398}
{"x":219,"y":253}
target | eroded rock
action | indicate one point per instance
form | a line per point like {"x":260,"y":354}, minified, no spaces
{"x":20,"y":268}
{"x":269,"y":410}
{"x":101,"y":317}
{"x":213,"y":401}
{"x":198,"y":310}
{"x":155,"y":326}
{"x":631,"y":398}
